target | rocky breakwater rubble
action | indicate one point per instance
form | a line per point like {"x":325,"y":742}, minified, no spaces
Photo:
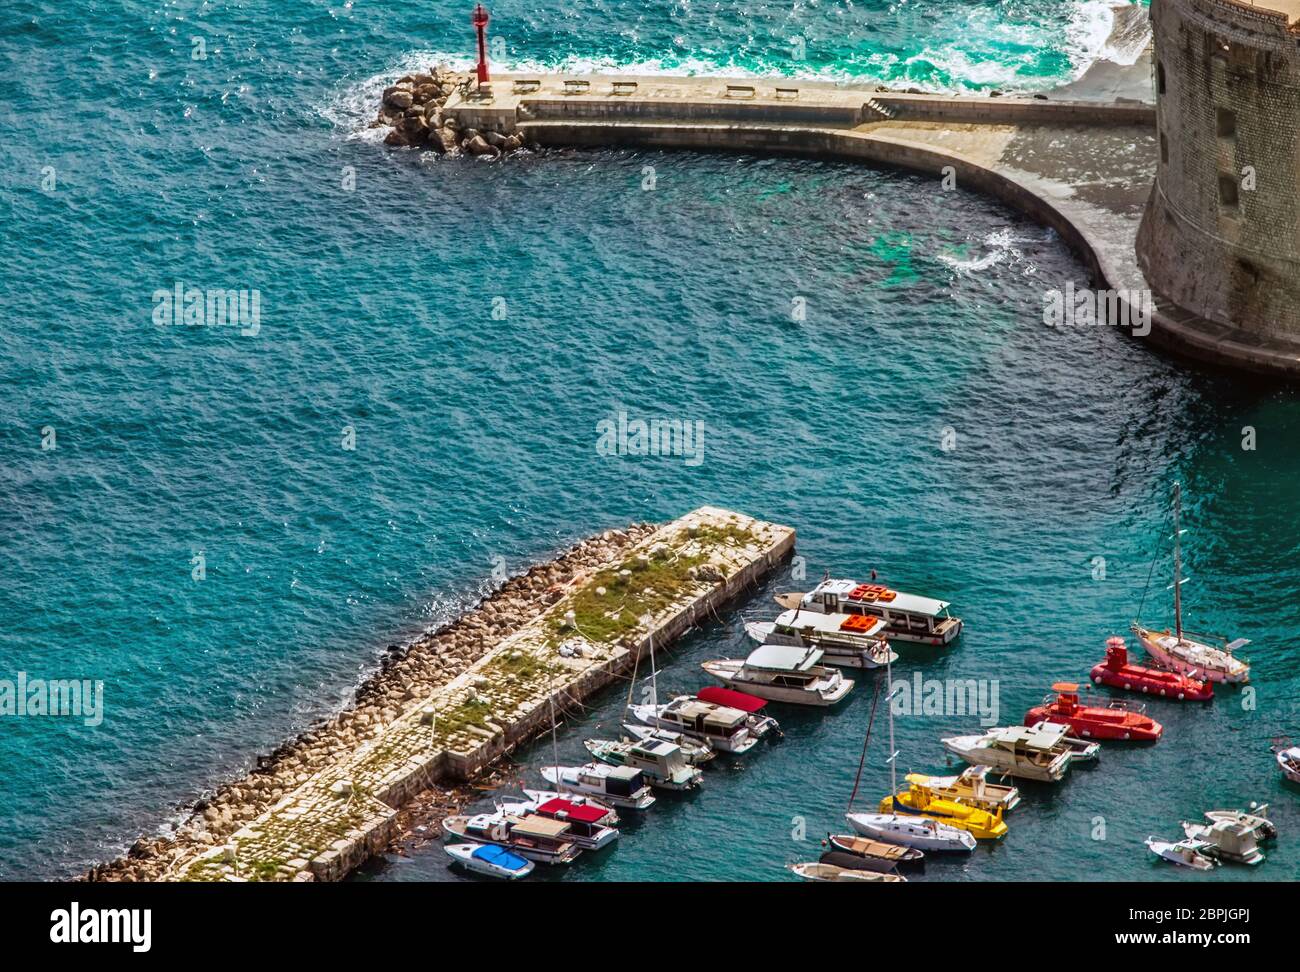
{"x":414,"y":109}
{"x":407,"y":674}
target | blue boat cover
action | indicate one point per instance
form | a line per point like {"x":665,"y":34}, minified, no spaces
{"x":500,"y":857}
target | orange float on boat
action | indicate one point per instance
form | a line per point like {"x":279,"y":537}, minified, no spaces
{"x":859,"y":622}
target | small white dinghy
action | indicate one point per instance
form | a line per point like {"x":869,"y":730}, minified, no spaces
{"x":490,"y":860}
{"x":829,"y":872}
{"x":1288,"y":761}
{"x":922,"y":832}
{"x":1188,"y":853}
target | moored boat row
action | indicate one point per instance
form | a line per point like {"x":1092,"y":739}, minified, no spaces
{"x":554,"y":826}
{"x":806,"y":657}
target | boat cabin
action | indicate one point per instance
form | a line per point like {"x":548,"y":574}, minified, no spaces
{"x":788,"y":666}
{"x":660,"y":755}
{"x":1116,"y":652}
{"x":1035,"y":744}
{"x":541,"y":833}
{"x":706,"y":719}
{"x":526,"y":833}
{"x":619,"y":781}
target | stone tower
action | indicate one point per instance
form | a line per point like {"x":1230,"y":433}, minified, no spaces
{"x":1221,"y":233}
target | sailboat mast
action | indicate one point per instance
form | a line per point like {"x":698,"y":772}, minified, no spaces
{"x":555,"y":747}
{"x":654,"y":673}
{"x":889,"y":702}
{"x":1178,"y":564}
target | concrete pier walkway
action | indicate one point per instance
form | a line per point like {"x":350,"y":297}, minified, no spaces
{"x":1082,"y":167}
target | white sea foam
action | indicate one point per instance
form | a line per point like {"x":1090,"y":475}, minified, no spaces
{"x":1089,"y":37}
{"x":1092,"y":35}
{"x":1000,"y":245}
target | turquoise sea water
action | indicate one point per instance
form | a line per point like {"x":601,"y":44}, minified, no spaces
{"x":476,"y":434}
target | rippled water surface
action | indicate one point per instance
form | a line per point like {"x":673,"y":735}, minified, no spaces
{"x":475,"y":434}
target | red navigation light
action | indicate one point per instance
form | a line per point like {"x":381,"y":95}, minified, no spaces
{"x":480,"y":22}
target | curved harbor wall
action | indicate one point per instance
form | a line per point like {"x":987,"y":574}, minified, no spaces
{"x":1221,"y":233}
{"x":1081,"y":167}
{"x":874,"y":148}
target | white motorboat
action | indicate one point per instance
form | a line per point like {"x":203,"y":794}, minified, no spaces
{"x":760,"y":724}
{"x":906,"y":617}
{"x":588,"y":825}
{"x":1188,"y":853}
{"x":533,"y":837}
{"x":622,"y":786}
{"x":815,"y":871}
{"x":1227,"y":840}
{"x":843,"y":648}
{"x":923,"y":833}
{"x":491,"y":860}
{"x":1040,"y":752}
{"x":697,"y":753}
{"x":1176,"y":650}
{"x":663,"y":763}
{"x":723,"y":728}
{"x":782,"y":673}
{"x":1263,"y":828}
{"x":1288,"y":760}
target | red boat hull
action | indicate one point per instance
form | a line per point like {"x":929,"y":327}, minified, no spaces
{"x":1098,"y":723}
{"x":1152,"y":681}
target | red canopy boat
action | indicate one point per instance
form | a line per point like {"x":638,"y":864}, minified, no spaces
{"x":565,"y":810}
{"x":1118,"y":672}
{"x":1119,"y":720}
{"x":730,"y":698}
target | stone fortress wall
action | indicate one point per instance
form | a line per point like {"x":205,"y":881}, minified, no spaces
{"x":1227,"y":79}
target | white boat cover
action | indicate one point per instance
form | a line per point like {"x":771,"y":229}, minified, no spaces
{"x":789,"y":658}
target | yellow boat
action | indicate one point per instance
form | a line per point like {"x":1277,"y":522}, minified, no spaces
{"x":971,"y":787}
{"x":920,"y":800}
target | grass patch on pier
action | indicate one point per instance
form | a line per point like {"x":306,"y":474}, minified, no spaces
{"x":471,"y":712}
{"x":520,"y":666}
{"x":644,"y":584}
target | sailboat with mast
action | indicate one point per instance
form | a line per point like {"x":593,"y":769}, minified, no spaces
{"x":905,"y":826}
{"x":1176,"y":649}
{"x":696,"y":752}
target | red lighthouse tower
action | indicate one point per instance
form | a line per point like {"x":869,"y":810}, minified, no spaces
{"x":480,"y":21}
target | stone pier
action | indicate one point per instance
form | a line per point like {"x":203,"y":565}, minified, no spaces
{"x":592,"y":634}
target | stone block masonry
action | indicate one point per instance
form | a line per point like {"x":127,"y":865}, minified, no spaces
{"x":597,"y":628}
{"x":1221,"y":236}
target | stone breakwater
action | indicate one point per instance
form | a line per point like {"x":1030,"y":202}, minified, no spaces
{"x":451,"y":705}
{"x":406,"y":672}
{"x":414,"y":111}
